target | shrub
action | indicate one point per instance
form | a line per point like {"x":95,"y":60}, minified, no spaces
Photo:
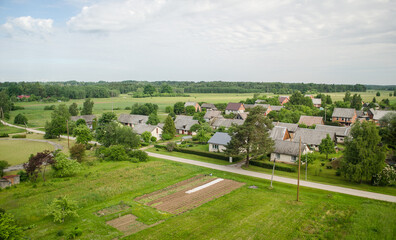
{"x":220,"y":156}
{"x":335,"y":164}
{"x":387,"y":177}
{"x":153,"y":139}
{"x":8,"y":227}
{"x":64,"y":167}
{"x":170,"y":146}
{"x":271,"y":165}
{"x":114,"y":153}
{"x":81,"y":121}
{"x":166,"y":136}
{"x":139,"y":155}
{"x":20,"y":119}
{"x":77,"y":152}
{"x":160,"y":146}
{"x":62,"y":207}
{"x":23,"y":176}
{"x":52,"y":107}
{"x":4,"y":135}
{"x":76,"y":232}
{"x":19,"y":136}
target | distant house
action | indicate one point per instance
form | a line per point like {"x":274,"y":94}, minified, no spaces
{"x":267,"y":107}
{"x":376,"y":115}
{"x":291,"y":127}
{"x":234,"y":108}
{"x":184,"y":123}
{"x":23,"y":96}
{"x":248,"y":106}
{"x":155,"y":130}
{"x":194,"y":104}
{"x":345,"y":116}
{"x":132,"y":120}
{"x":310,"y":96}
{"x":225,"y":122}
{"x":310,"y":120}
{"x":340,"y":133}
{"x":209,"y":106}
{"x":242,"y":116}
{"x":287,"y":151}
{"x":89,"y":119}
{"x":9,"y":180}
{"x":209,"y":115}
{"x":218,"y":142}
{"x":317,"y":102}
{"x":279,"y":133}
{"x":311,"y":137}
{"x":283,"y":99}
{"x":276,"y":108}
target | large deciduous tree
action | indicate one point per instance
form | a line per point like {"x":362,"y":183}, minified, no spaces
{"x":364,"y":156}
{"x":82,"y":133}
{"x":20,"y":119}
{"x":327,"y":146}
{"x":62,"y":207}
{"x":34,"y":166}
{"x":57,"y":126}
{"x":87,"y":107}
{"x":178,"y":108}
{"x":252,"y":137}
{"x":73,"y":109}
{"x":169,"y":127}
{"x":153,"y":119}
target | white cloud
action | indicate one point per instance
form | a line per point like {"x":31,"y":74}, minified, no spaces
{"x":27,"y":25}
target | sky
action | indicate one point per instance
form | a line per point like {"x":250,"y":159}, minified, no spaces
{"x":326,"y":41}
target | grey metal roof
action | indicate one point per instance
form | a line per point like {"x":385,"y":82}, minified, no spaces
{"x":184,"y":122}
{"x":208,"y":105}
{"x":132,"y":119}
{"x":249,"y":106}
{"x":141,"y":128}
{"x":212,"y":114}
{"x":278,"y":133}
{"x":288,"y":147}
{"x":378,"y":114}
{"x":338,"y":131}
{"x":276,"y":108}
{"x":316,"y":101}
{"x":226,"y":122}
{"x":220,"y":138}
{"x":87,"y":118}
{"x":310,"y":120}
{"x":344,"y":112}
{"x":310,"y":136}
{"x":190,"y":104}
{"x":291,"y":127}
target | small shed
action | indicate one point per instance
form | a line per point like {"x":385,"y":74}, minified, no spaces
{"x":9,"y":180}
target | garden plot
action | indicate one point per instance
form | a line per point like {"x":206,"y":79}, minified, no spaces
{"x":113,"y":209}
{"x":189,"y":194}
{"x":128,"y":224}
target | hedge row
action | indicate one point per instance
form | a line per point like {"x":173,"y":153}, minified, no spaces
{"x":19,"y":136}
{"x":271,"y":165}
{"x":201,"y":153}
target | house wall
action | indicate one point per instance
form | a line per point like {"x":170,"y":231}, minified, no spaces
{"x":236,"y":112}
{"x":221,"y":148}
{"x":282,"y":158}
{"x":4,"y":184}
{"x":345,"y":122}
{"x":157,"y":132}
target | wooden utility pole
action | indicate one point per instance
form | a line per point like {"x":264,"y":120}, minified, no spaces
{"x":306,"y":167}
{"x":67,"y":126}
{"x":299,"y":164}
{"x":273,"y":172}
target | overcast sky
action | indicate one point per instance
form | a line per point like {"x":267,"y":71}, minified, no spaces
{"x":230,"y":40}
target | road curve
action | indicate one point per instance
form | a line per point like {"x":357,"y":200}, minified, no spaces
{"x":331,"y":188}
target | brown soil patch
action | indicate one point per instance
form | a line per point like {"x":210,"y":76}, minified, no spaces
{"x":179,"y":201}
{"x":128,"y":224}
{"x":112,"y":209}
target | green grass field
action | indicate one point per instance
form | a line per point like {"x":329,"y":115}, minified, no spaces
{"x":243,"y":214}
{"x":17,"y":152}
{"x":10,"y":130}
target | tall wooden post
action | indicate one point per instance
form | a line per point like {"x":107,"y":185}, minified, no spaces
{"x":299,"y":164}
{"x":306,"y":167}
{"x":273,"y":172}
{"x":67,"y":126}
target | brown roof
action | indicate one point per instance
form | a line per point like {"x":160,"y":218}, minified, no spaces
{"x":310,"y":120}
{"x":234,"y":106}
{"x":10,"y":176}
{"x":282,"y":98}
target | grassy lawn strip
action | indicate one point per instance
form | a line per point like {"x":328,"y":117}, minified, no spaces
{"x":10,"y":130}
{"x":17,"y":152}
{"x":189,"y":156}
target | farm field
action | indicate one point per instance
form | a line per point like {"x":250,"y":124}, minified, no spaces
{"x":105,"y":191}
{"x":37,"y":116}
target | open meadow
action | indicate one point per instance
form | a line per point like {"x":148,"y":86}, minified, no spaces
{"x":105,"y":191}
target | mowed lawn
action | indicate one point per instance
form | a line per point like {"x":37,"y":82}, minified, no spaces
{"x":18,"y":151}
{"x":242,"y":214}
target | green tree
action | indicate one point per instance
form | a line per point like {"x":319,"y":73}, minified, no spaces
{"x":153,"y":119}
{"x":3,"y":165}
{"x":298,"y":99}
{"x":374,"y":100}
{"x":57,"y":126}
{"x":378,"y":94}
{"x":356,"y":102}
{"x":168,"y":109}
{"x":64,"y":167}
{"x":106,"y":118}
{"x":81,"y":121}
{"x":166,"y":88}
{"x":73,"y":109}
{"x":190,"y":110}
{"x":83,"y":134}
{"x":169,"y":127}
{"x":87,"y":107}
{"x":178,"y":108}
{"x":149,"y":89}
{"x":327,"y":146}
{"x":201,"y":136}
{"x":20,"y":119}
{"x":62,"y":207}
{"x":77,"y":151}
{"x":9,"y":229}
{"x":252,"y":137}
{"x":388,"y":129}
{"x":5,"y":105}
{"x":347,"y":98}
{"x":146,"y":136}
{"x":364,"y":156}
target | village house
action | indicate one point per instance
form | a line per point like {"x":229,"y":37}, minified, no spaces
{"x":283,"y":99}
{"x":218,"y":142}
{"x":89,"y":119}
{"x":225,"y":122}
{"x":345,"y":116}
{"x":276,"y":108}
{"x":340,"y":133}
{"x":279,"y":133}
{"x":317,"y":102}
{"x":234,"y":108}
{"x":132,"y":120}
{"x":376,"y":115}
{"x":209,"y":115}
{"x":184,"y":123}
{"x":9,"y":180}
{"x":155,"y":130}
{"x":23,"y":96}
{"x":287,"y":151}
{"x":194,"y":104}
{"x":291,"y":127}
{"x":242,"y":116}
{"x":267,"y":107}
{"x":310,"y":120}
{"x":209,"y":107}
{"x":311,"y":137}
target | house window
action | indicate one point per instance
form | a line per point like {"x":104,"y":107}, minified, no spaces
{"x":215,"y":146}
{"x":277,"y":156}
{"x":337,"y":119}
{"x":294,"y":158}
{"x":342,"y":119}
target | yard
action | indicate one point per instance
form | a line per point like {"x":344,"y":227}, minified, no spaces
{"x":111,"y":187}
